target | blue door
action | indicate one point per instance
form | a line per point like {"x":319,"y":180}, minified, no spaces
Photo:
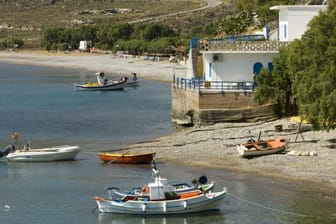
{"x":257,"y":68}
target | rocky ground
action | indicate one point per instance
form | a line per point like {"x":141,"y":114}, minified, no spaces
{"x":215,"y":146}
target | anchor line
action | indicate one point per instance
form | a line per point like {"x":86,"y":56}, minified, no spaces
{"x":266,"y":207}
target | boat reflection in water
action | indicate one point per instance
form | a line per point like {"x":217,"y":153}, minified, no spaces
{"x":215,"y":216}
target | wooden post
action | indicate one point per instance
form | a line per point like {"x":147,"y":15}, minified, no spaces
{"x":298,"y":132}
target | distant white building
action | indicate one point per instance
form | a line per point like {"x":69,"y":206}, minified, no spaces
{"x":294,"y":19}
{"x":84,"y":45}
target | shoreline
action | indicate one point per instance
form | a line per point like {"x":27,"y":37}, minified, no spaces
{"x":97,"y":62}
{"x":211,"y":146}
{"x":215,"y":147}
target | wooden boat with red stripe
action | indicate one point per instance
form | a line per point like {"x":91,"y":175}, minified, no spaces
{"x":141,"y":158}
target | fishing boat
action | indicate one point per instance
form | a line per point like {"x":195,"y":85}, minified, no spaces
{"x":140,"y":158}
{"x":28,"y":154}
{"x":102,"y":84}
{"x":260,"y":148}
{"x":160,"y":198}
{"x":179,"y":188}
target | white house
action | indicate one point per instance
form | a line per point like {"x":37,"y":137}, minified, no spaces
{"x":240,"y":61}
{"x":222,"y":88}
{"x":294,"y":19}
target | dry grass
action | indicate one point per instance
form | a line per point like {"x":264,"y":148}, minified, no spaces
{"x":34,"y":14}
{"x":25,"y":21}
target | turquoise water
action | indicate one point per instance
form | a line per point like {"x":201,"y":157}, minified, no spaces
{"x":40,"y":104}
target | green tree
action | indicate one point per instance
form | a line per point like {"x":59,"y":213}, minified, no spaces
{"x":262,"y":8}
{"x":50,"y":36}
{"x":264,"y":91}
{"x":107,"y":34}
{"x":157,"y":31}
{"x":235,"y":24}
{"x":125,"y":31}
{"x":275,"y":86}
{"x":133,"y":46}
{"x":312,"y":65}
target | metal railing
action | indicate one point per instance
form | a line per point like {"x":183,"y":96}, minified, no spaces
{"x":201,"y":85}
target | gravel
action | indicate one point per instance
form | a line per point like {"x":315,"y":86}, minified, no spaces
{"x":215,"y":146}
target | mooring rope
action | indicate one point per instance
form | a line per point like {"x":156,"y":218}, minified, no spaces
{"x":266,"y":207}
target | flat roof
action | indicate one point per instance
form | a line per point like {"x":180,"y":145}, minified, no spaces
{"x":295,"y":7}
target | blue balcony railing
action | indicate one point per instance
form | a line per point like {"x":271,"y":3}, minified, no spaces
{"x":201,"y":85}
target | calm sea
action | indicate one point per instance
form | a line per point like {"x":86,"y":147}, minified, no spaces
{"x":40,"y":104}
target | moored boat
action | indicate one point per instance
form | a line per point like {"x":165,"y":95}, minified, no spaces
{"x":140,"y":158}
{"x":160,"y":198}
{"x":260,"y":148}
{"x":190,"y":203}
{"x":102,"y":84}
{"x":179,"y":189}
{"x":28,"y":154}
{"x":55,"y":153}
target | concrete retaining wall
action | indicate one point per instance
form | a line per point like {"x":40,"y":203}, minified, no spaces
{"x":192,"y":108}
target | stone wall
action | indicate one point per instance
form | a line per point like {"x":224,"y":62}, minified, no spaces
{"x":192,"y":108}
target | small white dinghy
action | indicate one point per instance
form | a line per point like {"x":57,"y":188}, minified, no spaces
{"x":56,"y":153}
{"x":27,"y":154}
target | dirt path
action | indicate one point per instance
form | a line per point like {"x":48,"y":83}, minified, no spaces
{"x":209,"y":4}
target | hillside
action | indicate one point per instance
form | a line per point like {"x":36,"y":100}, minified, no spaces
{"x":24,"y":19}
{"x":32,"y":13}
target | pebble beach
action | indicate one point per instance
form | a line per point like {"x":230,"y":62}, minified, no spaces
{"x":308,"y":159}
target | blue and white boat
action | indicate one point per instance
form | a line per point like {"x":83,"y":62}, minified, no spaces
{"x":102,"y":84}
{"x":160,"y":198}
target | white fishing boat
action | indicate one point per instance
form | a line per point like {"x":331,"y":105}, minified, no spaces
{"x":102,"y":84}
{"x":56,"y":153}
{"x":160,"y":198}
{"x":179,"y":189}
{"x":28,"y":154}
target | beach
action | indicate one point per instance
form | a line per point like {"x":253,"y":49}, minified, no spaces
{"x":212,"y":146}
{"x":99,"y":62}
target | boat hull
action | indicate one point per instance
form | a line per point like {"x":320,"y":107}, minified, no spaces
{"x":44,"y":155}
{"x":145,"y":158}
{"x":113,"y":86}
{"x":262,"y":147}
{"x":203,"y":202}
{"x":132,"y":84}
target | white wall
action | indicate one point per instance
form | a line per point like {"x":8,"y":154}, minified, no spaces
{"x":234,"y":66}
{"x":294,"y":19}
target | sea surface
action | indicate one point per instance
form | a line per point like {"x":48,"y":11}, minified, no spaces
{"x":41,"y":105}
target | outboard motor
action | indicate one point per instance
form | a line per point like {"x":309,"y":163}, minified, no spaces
{"x":8,"y":149}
